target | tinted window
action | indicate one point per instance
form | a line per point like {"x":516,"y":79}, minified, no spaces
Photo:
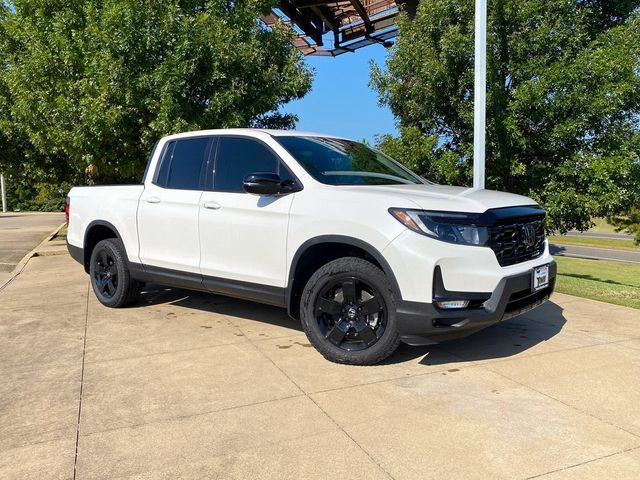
{"x":182,"y":164}
{"x":163,"y":172}
{"x":237,"y":158}
{"x":343,"y":162}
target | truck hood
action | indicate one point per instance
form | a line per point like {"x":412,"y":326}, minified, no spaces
{"x":445,"y":198}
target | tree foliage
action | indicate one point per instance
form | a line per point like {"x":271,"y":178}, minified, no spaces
{"x":629,"y":223}
{"x":99,"y":81}
{"x":563,"y":100}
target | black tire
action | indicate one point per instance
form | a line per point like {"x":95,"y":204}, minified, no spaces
{"x":110,"y":276}
{"x":348,"y":312}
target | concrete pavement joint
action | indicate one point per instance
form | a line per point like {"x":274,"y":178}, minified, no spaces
{"x":386,"y":380}
{"x":584,"y":463}
{"x":166,"y":352}
{"x":382,"y":469}
{"x":620,"y":343}
{"x":586,"y":334}
{"x":564,"y":403}
{"x":375,"y":462}
{"x":191,"y":415}
{"x":84,"y":349}
{"x":392,"y":379}
{"x":179,"y":350}
{"x":533,"y":355}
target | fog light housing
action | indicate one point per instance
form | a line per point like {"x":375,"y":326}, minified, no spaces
{"x":452,"y":304}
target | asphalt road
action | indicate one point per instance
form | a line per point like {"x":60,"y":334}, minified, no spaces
{"x":22,"y":232}
{"x":595,"y":253}
{"x":612,"y":236}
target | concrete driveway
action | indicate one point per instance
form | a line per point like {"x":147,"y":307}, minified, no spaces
{"x":20,"y":233}
{"x":188,"y":385}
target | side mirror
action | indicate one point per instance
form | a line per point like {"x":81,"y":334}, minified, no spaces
{"x":268,"y":184}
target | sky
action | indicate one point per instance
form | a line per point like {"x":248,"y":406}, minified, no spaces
{"x":341,"y":101}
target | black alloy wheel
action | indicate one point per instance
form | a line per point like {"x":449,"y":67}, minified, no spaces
{"x":110,"y":276}
{"x":106,"y":274}
{"x":351,"y":314}
{"x":348,"y":312}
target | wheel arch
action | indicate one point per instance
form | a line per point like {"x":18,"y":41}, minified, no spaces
{"x":320,"y":250}
{"x":95,"y":232}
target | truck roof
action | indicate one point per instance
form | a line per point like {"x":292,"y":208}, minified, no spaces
{"x":254,"y":132}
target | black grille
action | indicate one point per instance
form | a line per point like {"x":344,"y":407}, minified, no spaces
{"x":513,"y":243}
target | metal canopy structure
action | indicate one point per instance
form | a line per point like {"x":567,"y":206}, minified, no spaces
{"x":331,"y":28}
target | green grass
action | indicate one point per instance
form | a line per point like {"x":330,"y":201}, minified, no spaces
{"x":595,"y":242}
{"x":62,"y":234}
{"x":612,"y":282}
{"x":602,"y":226}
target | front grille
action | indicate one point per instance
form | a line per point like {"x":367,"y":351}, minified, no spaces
{"x":513,"y":244}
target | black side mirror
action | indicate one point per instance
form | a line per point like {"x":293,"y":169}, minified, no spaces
{"x":268,"y":184}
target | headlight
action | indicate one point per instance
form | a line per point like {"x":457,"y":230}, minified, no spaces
{"x":448,"y":227}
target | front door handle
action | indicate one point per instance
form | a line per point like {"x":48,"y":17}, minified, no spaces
{"x":152,"y":200}
{"x":212,"y":205}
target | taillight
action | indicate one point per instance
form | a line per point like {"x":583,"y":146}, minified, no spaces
{"x":67,"y":207}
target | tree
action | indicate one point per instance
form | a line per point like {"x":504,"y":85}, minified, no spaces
{"x":563,"y":100}
{"x":629,"y":223}
{"x":97,"y":82}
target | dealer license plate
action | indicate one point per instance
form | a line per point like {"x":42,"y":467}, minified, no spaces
{"x":540,"y":278}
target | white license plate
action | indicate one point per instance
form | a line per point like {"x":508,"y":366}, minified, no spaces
{"x":540,"y":278}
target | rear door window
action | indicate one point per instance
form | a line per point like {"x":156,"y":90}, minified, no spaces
{"x":183,"y":163}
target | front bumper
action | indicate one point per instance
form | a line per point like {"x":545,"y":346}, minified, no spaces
{"x":424,"y":323}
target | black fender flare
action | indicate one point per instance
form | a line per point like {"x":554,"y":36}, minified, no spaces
{"x":345,"y":240}
{"x":96,"y":223}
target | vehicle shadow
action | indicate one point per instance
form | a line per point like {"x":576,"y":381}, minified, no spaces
{"x":502,"y":340}
{"x":218,"y":304}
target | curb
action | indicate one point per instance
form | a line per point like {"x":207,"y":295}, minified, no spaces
{"x":20,"y":266}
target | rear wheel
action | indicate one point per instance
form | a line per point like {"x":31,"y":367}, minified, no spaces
{"x":110,"y":277}
{"x":348,"y":312}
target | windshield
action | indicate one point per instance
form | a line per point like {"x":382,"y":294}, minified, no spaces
{"x":342,"y":162}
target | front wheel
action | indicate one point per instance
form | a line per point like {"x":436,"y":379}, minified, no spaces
{"x":348,"y":312}
{"x":110,"y":277}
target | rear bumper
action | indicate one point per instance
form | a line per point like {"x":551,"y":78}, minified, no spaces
{"x":424,"y":323}
{"x":77,"y":253}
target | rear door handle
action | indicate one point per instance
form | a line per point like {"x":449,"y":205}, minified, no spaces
{"x":212,"y":205}
{"x":152,"y":200}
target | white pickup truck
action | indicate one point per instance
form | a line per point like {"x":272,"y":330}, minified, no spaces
{"x":361,"y":250}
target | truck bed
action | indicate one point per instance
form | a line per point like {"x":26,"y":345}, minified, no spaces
{"x":111,"y":204}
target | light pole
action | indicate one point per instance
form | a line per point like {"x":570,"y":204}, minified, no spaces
{"x":480,"y":95}
{"x":4,"y":193}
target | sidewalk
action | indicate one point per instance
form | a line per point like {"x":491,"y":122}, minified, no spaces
{"x":190,"y":385}
{"x":19,"y":233}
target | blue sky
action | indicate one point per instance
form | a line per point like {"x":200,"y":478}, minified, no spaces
{"x":341,"y":101}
